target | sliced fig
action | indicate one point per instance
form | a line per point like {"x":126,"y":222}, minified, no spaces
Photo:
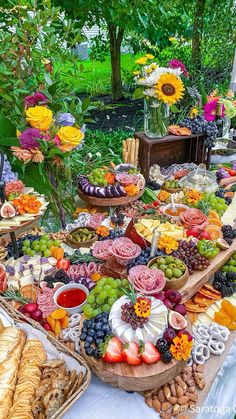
{"x":7,"y":210}
{"x":222,"y":244}
{"x":177,"y":321}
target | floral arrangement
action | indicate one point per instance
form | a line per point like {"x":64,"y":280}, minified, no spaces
{"x":229,"y":105}
{"x":44,"y":146}
{"x":167,"y":243}
{"x":162,"y":83}
{"x":181,"y":347}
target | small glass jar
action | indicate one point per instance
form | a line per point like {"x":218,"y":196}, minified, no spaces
{"x":156,"y":118}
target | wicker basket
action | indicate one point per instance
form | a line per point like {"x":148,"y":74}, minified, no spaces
{"x":19,"y":317}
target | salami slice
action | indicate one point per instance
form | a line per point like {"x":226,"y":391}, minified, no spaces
{"x":147,"y":280}
{"x":125,"y":250}
{"x":193,"y":217}
{"x":127,"y":179}
{"x":102,"y":249}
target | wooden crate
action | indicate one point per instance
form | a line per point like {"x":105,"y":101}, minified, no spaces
{"x":171,"y":149}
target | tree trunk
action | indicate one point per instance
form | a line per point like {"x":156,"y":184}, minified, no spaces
{"x":115,"y":37}
{"x":197,"y":33}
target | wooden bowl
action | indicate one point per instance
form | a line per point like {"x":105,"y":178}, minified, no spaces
{"x":109,"y":202}
{"x":174,"y":284}
{"x":77,"y":245}
{"x":172,"y":190}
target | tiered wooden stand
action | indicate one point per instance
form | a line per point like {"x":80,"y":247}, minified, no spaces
{"x":171,"y":149}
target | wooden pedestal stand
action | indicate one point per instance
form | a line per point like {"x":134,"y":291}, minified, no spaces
{"x":171,"y":149}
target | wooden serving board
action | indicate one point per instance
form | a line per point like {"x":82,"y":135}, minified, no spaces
{"x":109,"y":202}
{"x":134,"y":378}
{"x":24,"y":224}
{"x":198,"y":279}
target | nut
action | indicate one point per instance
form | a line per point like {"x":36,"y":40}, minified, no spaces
{"x":201,"y":384}
{"x":194,"y":366}
{"x":167,"y":392}
{"x":192,"y":397}
{"x":183,"y":407}
{"x":173,"y":389}
{"x":200,"y":368}
{"x":180,"y":382}
{"x":157,"y":405}
{"x":165,"y":415}
{"x":183,"y":417}
{"x":148,"y":394}
{"x":187,"y":370}
{"x":191,"y":389}
{"x":165,"y":406}
{"x":179,"y":391}
{"x":149,"y":402}
{"x":173,"y":400}
{"x":176,"y":410}
{"x":161,"y":395}
{"x":183,"y":400}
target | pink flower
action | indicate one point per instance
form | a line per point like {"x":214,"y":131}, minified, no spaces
{"x":28,"y":138}
{"x":22,"y":154}
{"x":38,"y":156}
{"x":14,"y":187}
{"x":56,"y":140}
{"x":210,"y":110}
{"x":178,"y":64}
{"x":35,"y":99}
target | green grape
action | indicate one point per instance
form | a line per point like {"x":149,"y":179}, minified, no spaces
{"x":118,"y":282}
{"x":99,"y":300}
{"x":37,"y":247}
{"x":28,"y":251}
{"x":26,"y":243}
{"x":124,"y":282}
{"x":106,"y":307}
{"x":57,"y":243}
{"x":45,"y":237}
{"x":98,"y":289}
{"x":102,"y":281}
{"x":43,"y":247}
{"x":96,"y":312}
{"x":91,"y":298}
{"x":107,"y":287}
{"x":31,"y":252}
{"x":111,"y":293}
{"x":47,"y":253}
{"x":24,"y":249}
{"x":103,"y":294}
{"x":111,"y":301}
{"x":49,"y":244}
{"x":35,"y":243}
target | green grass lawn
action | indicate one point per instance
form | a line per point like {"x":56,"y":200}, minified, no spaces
{"x":95,"y":77}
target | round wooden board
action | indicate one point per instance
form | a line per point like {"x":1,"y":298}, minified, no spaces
{"x":134,"y":378}
{"x":108,"y":202}
{"x":16,"y":228}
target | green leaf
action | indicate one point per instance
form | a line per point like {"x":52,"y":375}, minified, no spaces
{"x":174,"y":109}
{"x":138,"y":93}
{"x":7,"y":128}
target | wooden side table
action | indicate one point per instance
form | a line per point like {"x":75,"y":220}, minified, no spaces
{"x":171,"y":149}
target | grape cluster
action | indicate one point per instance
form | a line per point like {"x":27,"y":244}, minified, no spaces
{"x":20,"y":245}
{"x":229,"y":233}
{"x":154,"y":186}
{"x":128,"y":315}
{"x":224,"y":283}
{"x":97,"y":177}
{"x":104,"y":295}
{"x":144,"y":257}
{"x":213,"y":202}
{"x":188,"y":253}
{"x":199,"y":125}
{"x":94,"y":333}
{"x":40,"y":245}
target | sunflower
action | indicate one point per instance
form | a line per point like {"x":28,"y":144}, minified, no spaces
{"x":169,"y":88}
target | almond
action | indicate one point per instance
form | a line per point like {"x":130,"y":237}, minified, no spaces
{"x":149,"y":402}
{"x":173,"y":400}
{"x":176,"y":410}
{"x":192,"y":397}
{"x":183,"y":407}
{"x":161,"y":395}
{"x":167,"y":392}
{"x":165,"y":415}
{"x":192,"y":389}
{"x":173,"y":389}
{"x":165,"y":406}
{"x":180,"y":382}
{"x":200,"y":368}
{"x":179,"y":391}
{"x":201,"y":384}
{"x":157,"y":405}
{"x":183,"y":400}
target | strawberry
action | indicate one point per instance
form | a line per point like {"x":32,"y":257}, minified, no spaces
{"x":112,"y":350}
{"x":149,"y":353}
{"x":131,"y":354}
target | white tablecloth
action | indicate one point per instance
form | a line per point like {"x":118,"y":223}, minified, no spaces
{"x":101,"y":401}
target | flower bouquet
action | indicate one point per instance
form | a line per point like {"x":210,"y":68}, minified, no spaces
{"x":161,"y":87}
{"x":43,"y":152}
{"x":228,"y":101}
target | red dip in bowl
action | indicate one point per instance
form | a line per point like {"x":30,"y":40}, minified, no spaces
{"x":71,"y":298}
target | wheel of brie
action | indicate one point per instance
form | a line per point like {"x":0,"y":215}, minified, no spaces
{"x":150,"y":332}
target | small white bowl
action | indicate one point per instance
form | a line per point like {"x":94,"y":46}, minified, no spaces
{"x":71,"y":310}
{"x":174,"y":217}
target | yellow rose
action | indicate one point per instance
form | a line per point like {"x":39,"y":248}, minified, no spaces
{"x":141,"y":61}
{"x":149,"y":56}
{"x":70,"y":136}
{"x":39,"y":117}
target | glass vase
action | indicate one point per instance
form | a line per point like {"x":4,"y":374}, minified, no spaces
{"x":156,"y":118}
{"x":226,"y":127}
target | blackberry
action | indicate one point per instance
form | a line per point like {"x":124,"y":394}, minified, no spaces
{"x":60,"y":274}
{"x":228,"y":200}
{"x":228,"y":240}
{"x":219,"y":276}
{"x":231,"y":276}
{"x":166,"y":357}
{"x":217,"y":285}
{"x":162,"y":345}
{"x":226,"y":228}
{"x":220,"y":193}
{"x":48,"y":278}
